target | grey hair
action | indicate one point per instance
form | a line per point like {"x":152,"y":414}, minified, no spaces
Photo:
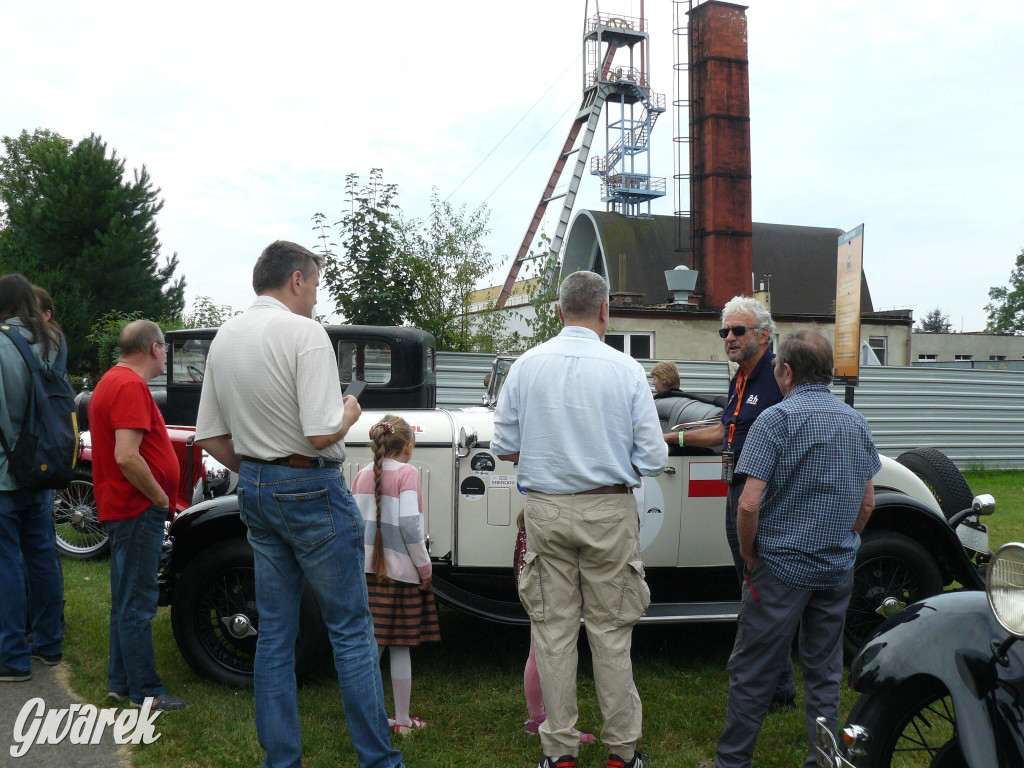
{"x":762,"y":316}
{"x":279,"y":261}
{"x":139,"y":336}
{"x":809,"y":355}
{"x":581,"y":295}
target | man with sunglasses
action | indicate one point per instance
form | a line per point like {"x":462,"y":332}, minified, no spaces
{"x":747,"y":331}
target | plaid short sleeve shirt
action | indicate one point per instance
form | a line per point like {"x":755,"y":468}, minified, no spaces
{"x":816,"y":455}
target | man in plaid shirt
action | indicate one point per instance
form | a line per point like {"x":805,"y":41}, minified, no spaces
{"x":809,"y":462}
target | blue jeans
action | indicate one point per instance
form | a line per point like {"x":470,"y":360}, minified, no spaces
{"x":304,"y":523}
{"x":28,"y":550}
{"x":135,"y":546}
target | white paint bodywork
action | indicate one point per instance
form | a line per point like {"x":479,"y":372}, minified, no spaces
{"x":471,"y":506}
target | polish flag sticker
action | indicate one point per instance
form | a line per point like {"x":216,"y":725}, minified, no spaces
{"x":706,"y":480}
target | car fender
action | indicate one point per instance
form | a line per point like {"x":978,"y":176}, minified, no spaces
{"x":896,"y":511}
{"x":949,"y":637}
{"x":202,"y":525}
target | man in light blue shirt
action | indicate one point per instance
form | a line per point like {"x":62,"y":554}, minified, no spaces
{"x":579,"y":419}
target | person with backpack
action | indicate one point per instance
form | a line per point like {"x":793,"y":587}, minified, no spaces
{"x":135,"y":475}
{"x":27,"y":543}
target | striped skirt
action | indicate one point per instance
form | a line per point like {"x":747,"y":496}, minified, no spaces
{"x":402,"y":614}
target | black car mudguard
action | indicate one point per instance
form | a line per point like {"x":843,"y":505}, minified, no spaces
{"x":896,"y":511}
{"x":209,"y":523}
{"x":949,"y":638}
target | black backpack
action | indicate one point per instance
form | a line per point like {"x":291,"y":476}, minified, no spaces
{"x":47,"y":448}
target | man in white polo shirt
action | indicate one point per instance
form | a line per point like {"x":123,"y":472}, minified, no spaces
{"x":272,"y":410}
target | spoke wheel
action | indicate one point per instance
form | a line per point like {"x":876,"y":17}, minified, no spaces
{"x":892,"y":571}
{"x":912,"y":727}
{"x":216,"y":623}
{"x":76,"y":522}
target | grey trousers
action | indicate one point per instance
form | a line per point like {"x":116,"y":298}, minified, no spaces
{"x":767,"y":625}
{"x":785,"y":688}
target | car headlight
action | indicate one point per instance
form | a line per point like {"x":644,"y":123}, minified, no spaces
{"x":1004,"y":586}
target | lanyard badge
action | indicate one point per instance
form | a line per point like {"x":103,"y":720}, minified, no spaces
{"x":728,"y":463}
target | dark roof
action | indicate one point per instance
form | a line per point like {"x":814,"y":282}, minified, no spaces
{"x":800,"y":260}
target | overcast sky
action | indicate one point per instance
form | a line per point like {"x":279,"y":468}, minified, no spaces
{"x":905,"y":116}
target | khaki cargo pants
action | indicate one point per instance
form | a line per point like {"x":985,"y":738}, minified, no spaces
{"x":583,"y":558}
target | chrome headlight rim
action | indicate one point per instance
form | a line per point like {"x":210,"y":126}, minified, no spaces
{"x":1006,"y":595}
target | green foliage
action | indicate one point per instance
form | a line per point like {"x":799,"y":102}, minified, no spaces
{"x":545,"y":324}
{"x":73,"y":224}
{"x":371,"y":282}
{"x":935,"y":322}
{"x":448,"y":260}
{"x":1006,"y":308}
{"x":206,"y":314}
{"x":103,"y":335}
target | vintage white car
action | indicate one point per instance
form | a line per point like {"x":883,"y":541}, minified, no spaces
{"x":471,"y":500}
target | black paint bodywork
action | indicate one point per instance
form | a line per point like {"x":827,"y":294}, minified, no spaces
{"x":949,"y":638}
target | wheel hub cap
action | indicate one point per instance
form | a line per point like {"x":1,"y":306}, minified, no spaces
{"x":239,"y":626}
{"x":890,"y":607}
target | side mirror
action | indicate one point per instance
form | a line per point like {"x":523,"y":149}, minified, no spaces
{"x":467,"y":439}
{"x":984,"y":504}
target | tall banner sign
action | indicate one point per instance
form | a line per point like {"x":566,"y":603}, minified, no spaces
{"x":848,"y":282}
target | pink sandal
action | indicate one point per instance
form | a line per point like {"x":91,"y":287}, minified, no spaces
{"x":531,"y":726}
{"x":415,"y":724}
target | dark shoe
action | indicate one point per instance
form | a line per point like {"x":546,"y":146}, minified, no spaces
{"x":783,"y":704}
{"x":165,"y":703}
{"x":50,"y":660}
{"x":11,"y":675}
{"x":565,"y":761}
{"x":116,"y":697}
{"x":639,"y":761}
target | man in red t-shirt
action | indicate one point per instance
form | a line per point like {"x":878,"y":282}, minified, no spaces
{"x":135,"y":474}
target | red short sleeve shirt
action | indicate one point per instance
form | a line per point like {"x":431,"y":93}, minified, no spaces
{"x":122,"y":400}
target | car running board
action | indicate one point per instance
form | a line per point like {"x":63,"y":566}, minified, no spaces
{"x":506,"y":612}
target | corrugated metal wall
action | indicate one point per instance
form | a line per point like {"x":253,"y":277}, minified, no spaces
{"x":975,"y":417}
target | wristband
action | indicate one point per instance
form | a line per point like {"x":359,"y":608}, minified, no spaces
{"x":682,"y":438}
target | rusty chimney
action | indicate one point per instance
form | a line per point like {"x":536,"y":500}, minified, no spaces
{"x":720,"y":198}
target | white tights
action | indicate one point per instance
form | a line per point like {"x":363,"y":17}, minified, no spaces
{"x":401,"y":679}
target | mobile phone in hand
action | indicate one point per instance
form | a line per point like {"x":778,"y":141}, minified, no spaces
{"x":355,"y":389}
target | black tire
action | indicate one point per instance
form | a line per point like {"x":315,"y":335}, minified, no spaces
{"x":80,"y":535}
{"x":915,"y":724}
{"x":941,"y":476}
{"x":889,"y":565}
{"x":216,"y":593}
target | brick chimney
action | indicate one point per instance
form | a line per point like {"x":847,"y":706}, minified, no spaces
{"x":720,"y":197}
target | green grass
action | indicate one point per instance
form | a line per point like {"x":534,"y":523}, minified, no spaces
{"x":469,"y":687}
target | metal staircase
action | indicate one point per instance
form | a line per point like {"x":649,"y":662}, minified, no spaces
{"x":625,"y":169}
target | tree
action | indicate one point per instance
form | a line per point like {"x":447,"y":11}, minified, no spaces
{"x":1006,"y":308}
{"x":448,"y":259}
{"x":935,"y":322}
{"x":371,"y":282}
{"x":73,"y":224}
{"x":206,"y":314}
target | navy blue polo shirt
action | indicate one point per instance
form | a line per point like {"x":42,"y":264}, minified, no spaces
{"x":761,"y":391}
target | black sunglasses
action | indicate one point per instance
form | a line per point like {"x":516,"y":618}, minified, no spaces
{"x":737,"y":331}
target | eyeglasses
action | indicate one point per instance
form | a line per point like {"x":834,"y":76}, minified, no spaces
{"x":737,"y":331}
{"x":166,"y":344}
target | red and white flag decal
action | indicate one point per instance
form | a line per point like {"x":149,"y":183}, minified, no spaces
{"x":706,"y":480}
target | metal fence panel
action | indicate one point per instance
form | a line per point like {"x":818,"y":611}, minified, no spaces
{"x":976,"y":417}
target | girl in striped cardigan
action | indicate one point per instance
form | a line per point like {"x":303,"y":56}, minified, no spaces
{"x":397,"y":564}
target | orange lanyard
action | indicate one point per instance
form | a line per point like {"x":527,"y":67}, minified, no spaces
{"x":741,"y":384}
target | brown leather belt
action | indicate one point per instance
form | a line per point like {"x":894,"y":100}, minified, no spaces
{"x":617,"y":488}
{"x":297,"y":461}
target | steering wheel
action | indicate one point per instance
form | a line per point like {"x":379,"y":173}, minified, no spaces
{"x":195,"y":373}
